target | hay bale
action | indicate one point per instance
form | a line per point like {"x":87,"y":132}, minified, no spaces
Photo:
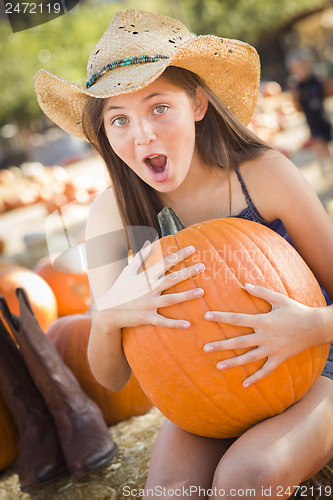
{"x":135,"y":438}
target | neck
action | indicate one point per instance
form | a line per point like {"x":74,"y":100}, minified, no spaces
{"x":200,"y":196}
{"x":199,"y":181}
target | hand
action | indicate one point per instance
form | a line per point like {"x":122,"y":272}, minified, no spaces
{"x":288,"y":329}
{"x":134,"y":298}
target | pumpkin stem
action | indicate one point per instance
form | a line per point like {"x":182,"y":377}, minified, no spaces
{"x":169,"y":222}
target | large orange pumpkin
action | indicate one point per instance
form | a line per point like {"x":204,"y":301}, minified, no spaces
{"x":70,"y":335}
{"x":70,"y":289}
{"x":41,"y":296}
{"x":8,"y":437}
{"x":170,"y":364}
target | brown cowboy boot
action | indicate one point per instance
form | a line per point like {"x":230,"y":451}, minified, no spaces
{"x":83,"y":434}
{"x":39,"y":453}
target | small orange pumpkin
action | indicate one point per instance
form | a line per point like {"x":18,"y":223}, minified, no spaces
{"x":170,"y":364}
{"x":41,"y":296}
{"x":70,"y":336}
{"x":71,"y":289}
{"x":8,"y":437}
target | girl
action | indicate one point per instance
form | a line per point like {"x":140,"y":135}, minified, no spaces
{"x":168,"y":114}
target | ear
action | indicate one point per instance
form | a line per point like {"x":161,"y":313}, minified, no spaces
{"x":200,"y":104}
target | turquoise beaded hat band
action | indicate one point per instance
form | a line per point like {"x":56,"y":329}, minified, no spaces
{"x":135,"y":50}
{"x":122,"y":62}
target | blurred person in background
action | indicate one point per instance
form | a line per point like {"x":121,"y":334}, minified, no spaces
{"x":309,"y":92}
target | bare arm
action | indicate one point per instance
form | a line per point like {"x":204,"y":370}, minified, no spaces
{"x":106,"y":257}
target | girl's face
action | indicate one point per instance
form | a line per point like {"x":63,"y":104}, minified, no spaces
{"x":153,"y":132}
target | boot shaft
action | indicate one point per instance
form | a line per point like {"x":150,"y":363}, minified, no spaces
{"x":16,"y":384}
{"x":83,"y":434}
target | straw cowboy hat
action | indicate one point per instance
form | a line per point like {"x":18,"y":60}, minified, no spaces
{"x":135,"y":50}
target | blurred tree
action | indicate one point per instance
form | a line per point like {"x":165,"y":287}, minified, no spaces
{"x":61,"y":46}
{"x":243,"y":19}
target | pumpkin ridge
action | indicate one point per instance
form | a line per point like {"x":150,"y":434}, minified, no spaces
{"x":319,"y":300}
{"x":170,"y":355}
{"x":254,"y":387}
{"x":260,"y":243}
{"x":157,"y":401}
{"x":245,"y":401}
{"x":284,"y":245}
{"x":310,"y":352}
{"x":257,"y":240}
{"x":212,"y":282}
{"x":250,"y":240}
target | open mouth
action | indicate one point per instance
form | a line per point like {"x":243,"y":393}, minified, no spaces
{"x":157,"y":163}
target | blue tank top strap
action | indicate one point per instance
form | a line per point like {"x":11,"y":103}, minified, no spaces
{"x":245,"y":192}
{"x":250,"y":212}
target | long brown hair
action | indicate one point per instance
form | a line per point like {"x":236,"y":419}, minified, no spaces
{"x":222,"y":140}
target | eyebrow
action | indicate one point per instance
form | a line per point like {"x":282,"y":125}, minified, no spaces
{"x":150,"y":96}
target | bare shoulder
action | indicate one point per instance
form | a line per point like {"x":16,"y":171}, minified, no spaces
{"x":105,"y":243}
{"x":271,"y":165}
{"x":274,"y":182}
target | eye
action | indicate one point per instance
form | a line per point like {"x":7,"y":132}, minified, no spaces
{"x":159,"y":110}
{"x":120,"y":121}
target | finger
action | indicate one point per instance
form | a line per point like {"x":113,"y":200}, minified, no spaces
{"x":168,"y":262}
{"x":238,"y":319}
{"x":265,"y":370}
{"x":243,"y":359}
{"x":178,"y":276}
{"x":271,"y":296}
{"x":241,"y":342}
{"x":170,"y":299}
{"x":162,"y":321}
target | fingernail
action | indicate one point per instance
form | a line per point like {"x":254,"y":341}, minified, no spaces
{"x":221,"y":366}
{"x":246,"y":384}
{"x":208,"y":316}
{"x":249,"y":285}
{"x":186,"y":324}
{"x":199,"y":292}
{"x":208,"y":348}
{"x":189,"y":249}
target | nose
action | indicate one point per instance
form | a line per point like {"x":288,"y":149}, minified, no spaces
{"x":144,"y":134}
